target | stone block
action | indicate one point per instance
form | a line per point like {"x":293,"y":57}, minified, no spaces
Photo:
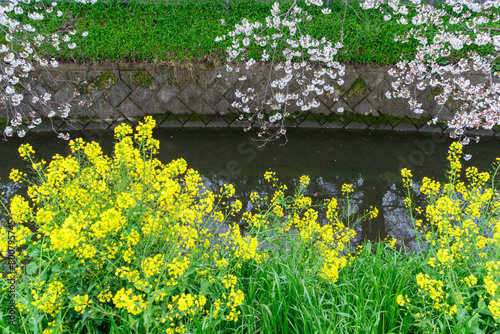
{"x":184,"y":76}
{"x":64,"y":93}
{"x":427,"y":99}
{"x":475,"y":79}
{"x":388,"y":78}
{"x":440,"y":112}
{"x":405,"y":127}
{"x":377,"y":96}
{"x":335,"y":125}
{"x":322,"y":109}
{"x":230,"y":94}
{"x":212,"y":96}
{"x":151,"y":106}
{"x":328,"y":99}
{"x":129,"y":109}
{"x":194,"y":124}
{"x":93,"y":94}
{"x":98,"y":124}
{"x":356,"y":93}
{"x":226,"y":81}
{"x":72,"y":125}
{"x":190,"y":94}
{"x":103,"y":80}
{"x":170,"y":123}
{"x":364,"y":108}
{"x":349,"y":79}
{"x":158,"y":77}
{"x":176,"y":107}
{"x":389,"y":108}
{"x":166,"y":93}
{"x":340,"y":104}
{"x":481,"y":132}
{"x":308,"y":124}
{"x":76,"y":77}
{"x":205,"y":78}
{"x":52,"y":79}
{"x":357,"y":126}
{"x":411,"y":114}
{"x":138,"y":78}
{"x":426,"y":128}
{"x":40,"y":89}
{"x":253,"y":78}
{"x":293,"y":109}
{"x":200,"y":107}
{"x":118,"y":93}
{"x":223,"y":107}
{"x":380,"y":126}
{"x":104,"y":110}
{"x":163,"y":76}
{"x":372,"y":79}
{"x":141,"y":94}
{"x":218,"y":123}
{"x":80,"y":111}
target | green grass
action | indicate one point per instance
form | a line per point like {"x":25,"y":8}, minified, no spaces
{"x":282,"y":298}
{"x":186,"y":30}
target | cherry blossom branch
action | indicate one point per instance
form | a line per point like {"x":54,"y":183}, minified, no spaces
{"x":295,"y":58}
{"x":19,"y":58}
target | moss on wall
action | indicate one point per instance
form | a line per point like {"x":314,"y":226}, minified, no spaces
{"x":103,"y":81}
{"x":143,"y":78}
{"x":357,"y":88}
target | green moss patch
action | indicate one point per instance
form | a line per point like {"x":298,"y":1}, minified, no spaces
{"x":143,"y":78}
{"x":104,"y":81}
{"x":357,"y":88}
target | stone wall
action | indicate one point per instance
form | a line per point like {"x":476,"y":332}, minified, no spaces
{"x":127,"y":91}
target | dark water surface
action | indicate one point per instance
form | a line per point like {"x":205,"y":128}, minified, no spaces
{"x":371,"y":162}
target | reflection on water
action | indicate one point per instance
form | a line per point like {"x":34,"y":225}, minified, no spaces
{"x":371,"y":162}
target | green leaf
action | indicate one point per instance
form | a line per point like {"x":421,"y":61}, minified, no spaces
{"x":204,"y":287}
{"x":31,"y":268}
{"x":481,"y":305}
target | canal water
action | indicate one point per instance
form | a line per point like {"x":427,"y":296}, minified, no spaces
{"x":369,"y":161}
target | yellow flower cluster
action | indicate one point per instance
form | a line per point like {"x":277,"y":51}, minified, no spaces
{"x":244,"y":247}
{"x":295,"y":216}
{"x":461,"y":232}
{"x":26,"y":151}
{"x":229,"y":281}
{"x":153,"y":265}
{"x":430,"y":187}
{"x":434,"y":289}
{"x":402,"y":300}
{"x":126,"y":222}
{"x":125,"y":234}
{"x":50,"y":297}
{"x":126,"y":299}
{"x":81,"y":302}
{"x":392,"y":242}
{"x":494,"y":307}
{"x":176,"y":269}
{"x":470,"y":280}
{"x":190,"y":304}
{"x":304,"y":180}
{"x":346,"y":189}
{"x":234,"y":300}
{"x":17,"y":176}
{"x":255,"y":220}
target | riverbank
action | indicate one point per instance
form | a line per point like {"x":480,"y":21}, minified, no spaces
{"x":191,"y":95}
